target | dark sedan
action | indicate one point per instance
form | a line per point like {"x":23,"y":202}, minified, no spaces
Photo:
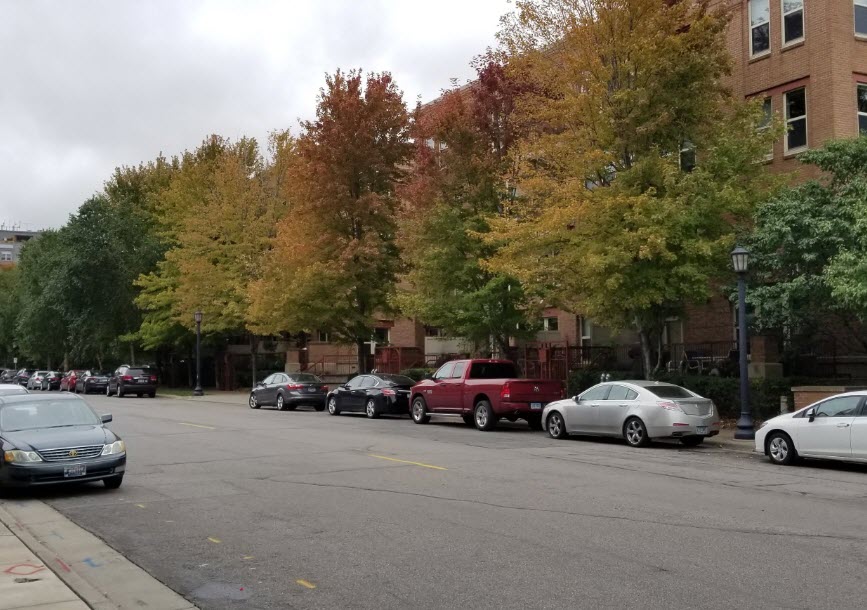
{"x":373,"y":394}
{"x":22,"y":377}
{"x":58,"y":438}
{"x":287,"y":391}
{"x":91,"y":381}
{"x":51,"y":380}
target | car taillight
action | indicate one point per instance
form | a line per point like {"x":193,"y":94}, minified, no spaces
{"x":325,"y":388}
{"x":668,"y":405}
{"x":294,"y":386}
{"x":506,"y":391}
{"x":388,"y":392}
{"x":127,"y":377}
{"x":90,"y":378}
{"x":154,"y":378}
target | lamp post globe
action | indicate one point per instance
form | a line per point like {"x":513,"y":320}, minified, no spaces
{"x":197,"y":391}
{"x":740,"y":263}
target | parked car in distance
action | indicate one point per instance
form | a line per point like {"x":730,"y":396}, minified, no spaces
{"x":482,"y":392}
{"x":67,"y":384}
{"x":832,"y":429}
{"x":374,"y":394}
{"x":287,"y":391}
{"x":12,"y":389}
{"x":638,"y":411}
{"x":51,"y":380}
{"x":22,"y":377}
{"x":138,"y":380}
{"x":57,"y":439}
{"x":35,"y":380}
{"x":91,"y":381}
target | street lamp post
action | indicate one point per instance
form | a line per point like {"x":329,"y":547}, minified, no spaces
{"x":740,"y":262}
{"x":197,"y":391}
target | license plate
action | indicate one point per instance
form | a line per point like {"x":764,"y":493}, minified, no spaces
{"x":141,"y":380}
{"x":311,"y":389}
{"x":701,"y":429}
{"x":78,"y":470}
{"x":535,"y":405}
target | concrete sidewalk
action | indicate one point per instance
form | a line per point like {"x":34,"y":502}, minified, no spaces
{"x":226,"y":398}
{"x":726,"y":440}
{"x":26,"y":582}
{"x":47,"y":561}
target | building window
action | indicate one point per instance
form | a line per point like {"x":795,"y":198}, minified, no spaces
{"x":793,"y":21}
{"x":796,"y":119}
{"x":687,"y":156}
{"x":433,"y":331}
{"x":861,"y":17}
{"x":380,"y":335}
{"x":760,"y":26}
{"x":322,"y":337}
{"x":550,"y":324}
{"x":767,"y":117}
{"x":586,"y":332}
{"x":5,"y":256}
{"x":862,"y":109}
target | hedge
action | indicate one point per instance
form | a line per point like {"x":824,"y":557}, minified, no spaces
{"x":417,"y":374}
{"x":723,"y":391}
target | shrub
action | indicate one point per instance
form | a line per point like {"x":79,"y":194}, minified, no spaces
{"x":417,"y":374}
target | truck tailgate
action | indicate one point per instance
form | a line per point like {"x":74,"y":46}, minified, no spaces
{"x":533,"y":390}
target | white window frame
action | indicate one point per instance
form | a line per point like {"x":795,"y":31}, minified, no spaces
{"x":585,"y":329}
{"x":783,"y":24}
{"x":546,"y":321}
{"x":5,"y":256}
{"x":770,"y":116}
{"x":750,"y":28}
{"x":322,"y":337}
{"x":789,"y":121}
{"x":858,"y":113}
{"x":863,"y":4}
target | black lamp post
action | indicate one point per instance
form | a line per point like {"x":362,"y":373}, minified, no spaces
{"x":740,"y":262}
{"x":197,"y":391}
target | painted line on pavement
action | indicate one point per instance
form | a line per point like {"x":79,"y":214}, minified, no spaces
{"x":305,"y":583}
{"x":390,"y":459}
{"x":183,"y":423}
{"x":215,"y":540}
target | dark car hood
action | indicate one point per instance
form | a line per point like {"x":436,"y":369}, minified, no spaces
{"x":55,"y":438}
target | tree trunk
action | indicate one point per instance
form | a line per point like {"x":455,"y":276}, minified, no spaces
{"x":644,"y":337}
{"x":254,"y":347}
{"x":131,"y":354}
{"x":361,"y":355}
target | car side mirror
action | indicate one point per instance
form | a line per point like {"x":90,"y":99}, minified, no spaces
{"x":106,"y":418}
{"x":576,"y":398}
{"x":811,"y":414}
{"x":260,"y":384}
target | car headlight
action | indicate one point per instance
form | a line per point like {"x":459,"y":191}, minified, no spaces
{"x":21,"y":457}
{"x":116,"y":448}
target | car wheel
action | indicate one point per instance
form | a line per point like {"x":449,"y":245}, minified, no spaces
{"x":281,"y":406}
{"x":333,"y":409}
{"x":781,"y":449}
{"x":152,"y":394}
{"x":319,"y":407}
{"x":138,"y":394}
{"x":556,"y":425}
{"x":108,"y":390}
{"x":253,"y":402}
{"x":113,"y":482}
{"x":468,"y":419}
{"x":635,"y":432}
{"x":370,"y":409}
{"x":535,"y":422}
{"x":692,"y":441}
{"x":419,"y":411}
{"x":484,"y":416}
{"x":119,"y":391}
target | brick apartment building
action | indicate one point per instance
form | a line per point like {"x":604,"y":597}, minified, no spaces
{"x":11,"y":242}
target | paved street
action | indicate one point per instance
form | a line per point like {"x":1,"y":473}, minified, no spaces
{"x":237,"y":508}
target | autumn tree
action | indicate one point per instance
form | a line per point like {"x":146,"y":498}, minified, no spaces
{"x":607,"y":222}
{"x":9,"y":307}
{"x":459,"y":179}
{"x":334,"y":258}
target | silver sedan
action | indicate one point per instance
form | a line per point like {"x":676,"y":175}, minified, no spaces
{"x":638,"y":411}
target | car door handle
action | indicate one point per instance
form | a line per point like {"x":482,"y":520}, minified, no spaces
{"x":623,"y":406}
{"x":842,"y":425}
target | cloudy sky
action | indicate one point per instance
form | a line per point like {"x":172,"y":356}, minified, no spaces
{"x":87,"y":85}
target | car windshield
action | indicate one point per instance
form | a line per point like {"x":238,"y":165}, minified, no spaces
{"x":304,"y":378}
{"x":140,"y":372}
{"x":670,"y":391}
{"x":493,"y":370}
{"x":46,"y":414}
{"x":400,"y":380}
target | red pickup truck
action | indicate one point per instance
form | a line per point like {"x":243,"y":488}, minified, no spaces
{"x":482,"y":392}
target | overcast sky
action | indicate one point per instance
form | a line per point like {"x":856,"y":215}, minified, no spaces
{"x":87,"y":85}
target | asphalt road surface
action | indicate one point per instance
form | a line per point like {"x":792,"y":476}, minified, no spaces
{"x":235,"y":508}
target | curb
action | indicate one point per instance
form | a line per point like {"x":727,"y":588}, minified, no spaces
{"x":122,"y":584}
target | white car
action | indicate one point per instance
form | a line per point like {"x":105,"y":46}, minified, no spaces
{"x":832,"y":429}
{"x":9,"y":389}
{"x":638,"y":411}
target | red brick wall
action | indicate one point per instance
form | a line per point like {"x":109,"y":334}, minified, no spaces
{"x":709,"y":322}
{"x":407,"y":333}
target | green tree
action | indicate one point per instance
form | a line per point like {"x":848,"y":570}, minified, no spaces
{"x":333,"y":262}
{"x":9,"y":307}
{"x":607,"y":224}
{"x":809,"y":256}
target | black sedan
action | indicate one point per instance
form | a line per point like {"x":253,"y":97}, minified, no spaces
{"x":287,"y":391}
{"x":373,"y":394}
{"x":51,"y":380}
{"x":57,"y":438}
{"x":92,"y":381}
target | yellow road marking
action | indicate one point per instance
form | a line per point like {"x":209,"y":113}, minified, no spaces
{"x":140,"y":505}
{"x":183,"y":423}
{"x":390,"y":459}
{"x":214,"y":540}
{"x":248,"y":557}
{"x":305,"y":583}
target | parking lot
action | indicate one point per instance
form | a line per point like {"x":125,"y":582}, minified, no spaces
{"x":267,"y":509}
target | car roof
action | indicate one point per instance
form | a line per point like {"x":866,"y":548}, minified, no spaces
{"x":11,"y":386}
{"x":644,"y":383}
{"x":41,"y":397}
